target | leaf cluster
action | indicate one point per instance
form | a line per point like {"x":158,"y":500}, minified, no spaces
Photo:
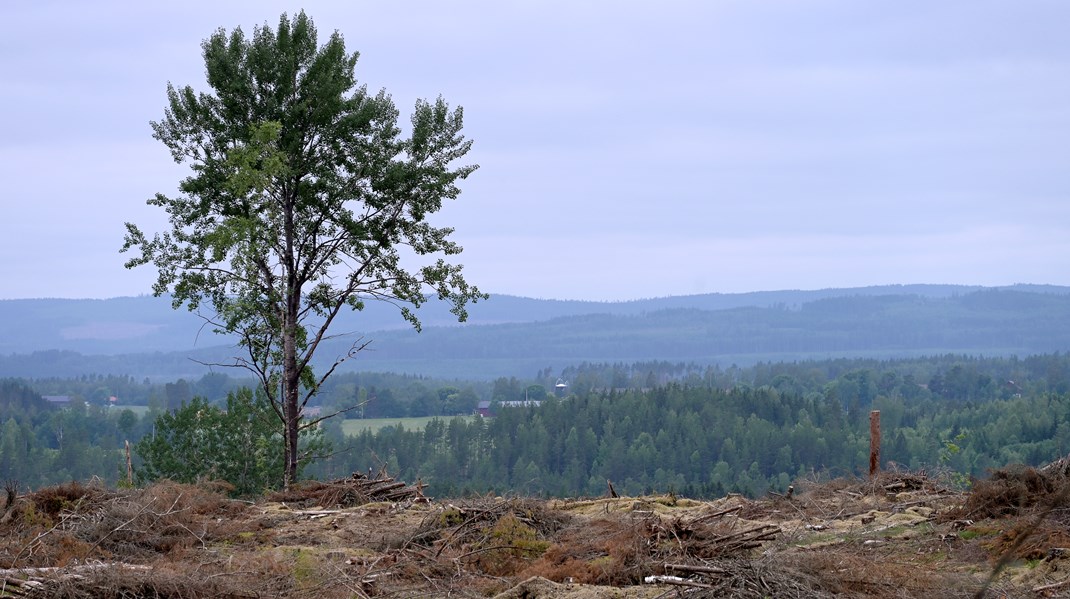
{"x":301,"y":177}
{"x":240,"y":444}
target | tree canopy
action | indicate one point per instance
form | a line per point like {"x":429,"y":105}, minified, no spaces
{"x":305,"y":199}
{"x":202,"y":441}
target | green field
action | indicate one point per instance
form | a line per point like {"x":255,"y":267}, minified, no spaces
{"x":139,"y":410}
{"x":349,"y":427}
{"x":354,"y":427}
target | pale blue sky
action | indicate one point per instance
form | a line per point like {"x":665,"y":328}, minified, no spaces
{"x":627,"y":149}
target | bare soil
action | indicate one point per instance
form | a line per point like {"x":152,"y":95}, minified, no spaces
{"x":901,"y":535}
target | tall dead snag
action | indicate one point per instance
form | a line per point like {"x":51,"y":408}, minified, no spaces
{"x":874,"y":443}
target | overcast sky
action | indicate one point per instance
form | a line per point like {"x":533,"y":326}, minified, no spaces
{"x":626,"y":149}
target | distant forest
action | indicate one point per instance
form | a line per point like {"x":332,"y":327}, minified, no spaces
{"x":144,"y":338}
{"x":695,"y":429}
{"x":746,"y":430}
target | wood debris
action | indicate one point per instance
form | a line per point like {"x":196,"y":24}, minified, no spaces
{"x":355,"y":490}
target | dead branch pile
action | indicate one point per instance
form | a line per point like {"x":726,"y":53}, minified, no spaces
{"x":242,"y":578}
{"x":1058,"y":469}
{"x":77,"y":540}
{"x":891,"y":482}
{"x":1008,"y":492}
{"x":72,"y":581}
{"x":846,"y":497}
{"x":1032,"y":504}
{"x":174,"y":540}
{"x":115,"y":585}
{"x":358,"y":489}
{"x":846,"y":571}
{"x":888,"y":482}
{"x":72,"y":523}
{"x":462,"y":522}
{"x":765,"y":577}
{"x":482,"y":537}
{"x":492,"y":535}
{"x":72,"y":496}
{"x":624,"y":550}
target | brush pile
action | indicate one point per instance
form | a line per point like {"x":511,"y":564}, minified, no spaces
{"x":898,"y":535}
{"x":356,"y":490}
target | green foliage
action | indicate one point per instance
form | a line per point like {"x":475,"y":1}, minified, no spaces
{"x":951,"y":453}
{"x":44,"y":444}
{"x":241,"y":444}
{"x":702,"y":441}
{"x":303,"y":200}
{"x":952,"y":448}
{"x":715,"y":431}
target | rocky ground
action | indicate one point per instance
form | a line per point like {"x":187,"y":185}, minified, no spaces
{"x":900,"y":535}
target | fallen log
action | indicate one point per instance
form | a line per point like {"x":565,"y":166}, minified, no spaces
{"x":380,"y":489}
{"x":28,"y":581}
{"x":716,"y":515}
{"x":758,"y":532}
{"x":697,"y":569}
{"x":15,"y":586}
{"x":29,"y":572}
{"x":676,"y":580}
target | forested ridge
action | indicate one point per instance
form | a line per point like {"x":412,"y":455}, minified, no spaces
{"x":694,"y":429}
{"x":509,"y":336}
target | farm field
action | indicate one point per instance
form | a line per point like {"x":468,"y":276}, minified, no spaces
{"x":140,"y":411}
{"x":349,"y":426}
{"x":357,"y":426}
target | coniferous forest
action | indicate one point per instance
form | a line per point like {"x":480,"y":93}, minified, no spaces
{"x":695,"y":430}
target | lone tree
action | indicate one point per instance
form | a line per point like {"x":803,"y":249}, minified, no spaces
{"x":304,"y":200}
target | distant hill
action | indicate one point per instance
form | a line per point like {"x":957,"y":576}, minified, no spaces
{"x":507,"y":335}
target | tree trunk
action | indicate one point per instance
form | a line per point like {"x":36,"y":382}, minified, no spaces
{"x":290,"y":374}
{"x":291,"y":408}
{"x":293,"y":418}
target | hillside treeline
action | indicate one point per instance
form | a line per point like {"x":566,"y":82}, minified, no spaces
{"x":698,"y":430}
{"x":392,"y":395}
{"x":950,"y":376}
{"x":702,"y":439}
{"x":42,"y":444}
